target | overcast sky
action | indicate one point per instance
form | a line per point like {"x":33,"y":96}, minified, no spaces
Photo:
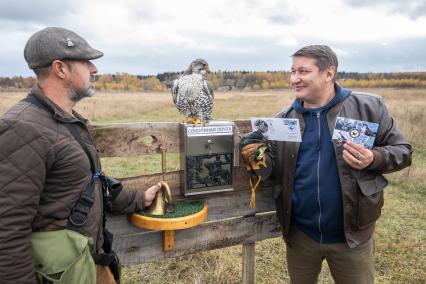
{"x":154,"y":36}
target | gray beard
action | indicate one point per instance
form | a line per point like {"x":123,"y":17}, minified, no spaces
{"x":77,"y":96}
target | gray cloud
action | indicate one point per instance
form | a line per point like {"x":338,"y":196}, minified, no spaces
{"x":35,"y":11}
{"x":413,"y":8}
{"x":283,"y":19}
{"x":142,"y":11}
{"x":247,"y":53}
{"x":225,"y":51}
{"x":395,"y":56}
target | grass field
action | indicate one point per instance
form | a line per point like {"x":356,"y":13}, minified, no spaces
{"x":400,"y":238}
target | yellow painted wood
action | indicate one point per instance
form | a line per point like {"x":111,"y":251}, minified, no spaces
{"x":169,"y":240}
{"x":169,"y":224}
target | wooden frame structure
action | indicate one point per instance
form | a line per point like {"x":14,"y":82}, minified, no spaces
{"x":230,"y":220}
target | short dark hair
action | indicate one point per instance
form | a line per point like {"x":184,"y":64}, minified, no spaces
{"x":323,"y":55}
{"x":43,"y":72}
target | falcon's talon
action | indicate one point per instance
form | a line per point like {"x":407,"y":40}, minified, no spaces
{"x":193,"y":120}
{"x":197,"y":121}
{"x":188,"y":120}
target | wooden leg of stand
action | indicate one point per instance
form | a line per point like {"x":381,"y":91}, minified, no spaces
{"x":248,"y":263}
{"x":169,"y":240}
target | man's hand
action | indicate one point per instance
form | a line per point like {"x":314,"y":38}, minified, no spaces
{"x":150,"y":194}
{"x":356,"y":155}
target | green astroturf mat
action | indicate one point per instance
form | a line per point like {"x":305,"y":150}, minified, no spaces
{"x":182,"y":208}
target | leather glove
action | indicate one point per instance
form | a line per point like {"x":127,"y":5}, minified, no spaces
{"x":253,"y":146}
{"x":253,"y":153}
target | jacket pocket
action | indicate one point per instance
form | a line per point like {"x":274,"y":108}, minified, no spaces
{"x":370,"y":199}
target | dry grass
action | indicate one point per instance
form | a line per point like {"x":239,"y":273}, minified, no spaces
{"x":8,"y":99}
{"x":406,"y":105}
{"x":400,"y":238}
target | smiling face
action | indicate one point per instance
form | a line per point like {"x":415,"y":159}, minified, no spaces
{"x":310,"y":84}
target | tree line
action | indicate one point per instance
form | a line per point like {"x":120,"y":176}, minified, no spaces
{"x":230,"y":80}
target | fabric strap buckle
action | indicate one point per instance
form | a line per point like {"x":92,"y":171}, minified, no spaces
{"x":78,"y":216}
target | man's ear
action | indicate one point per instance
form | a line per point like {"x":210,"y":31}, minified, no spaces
{"x":60,"y":69}
{"x":330,"y":73}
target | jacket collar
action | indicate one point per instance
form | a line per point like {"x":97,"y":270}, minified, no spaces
{"x":57,"y":112}
{"x":341,"y":95}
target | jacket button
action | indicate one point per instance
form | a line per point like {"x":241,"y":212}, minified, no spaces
{"x":293,"y":156}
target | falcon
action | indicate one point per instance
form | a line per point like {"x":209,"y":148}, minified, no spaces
{"x":193,"y":94}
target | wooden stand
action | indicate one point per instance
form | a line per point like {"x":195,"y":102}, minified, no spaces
{"x":169,"y":225}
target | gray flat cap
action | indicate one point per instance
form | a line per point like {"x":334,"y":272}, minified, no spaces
{"x":53,"y":43}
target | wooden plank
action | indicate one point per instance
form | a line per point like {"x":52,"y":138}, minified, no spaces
{"x":240,"y":181}
{"x":143,"y":182}
{"x":243,"y":126}
{"x":143,"y":246}
{"x":127,"y":139}
{"x":223,"y":206}
{"x":248,"y":263}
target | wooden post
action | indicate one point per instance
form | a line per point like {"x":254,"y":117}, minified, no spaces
{"x":248,"y":263}
{"x":169,"y":240}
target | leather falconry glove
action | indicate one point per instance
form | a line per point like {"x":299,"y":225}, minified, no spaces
{"x":253,"y":146}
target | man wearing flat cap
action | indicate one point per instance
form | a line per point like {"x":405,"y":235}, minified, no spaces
{"x":52,"y":189}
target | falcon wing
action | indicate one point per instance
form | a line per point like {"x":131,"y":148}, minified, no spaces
{"x":208,"y":88}
{"x":175,"y":90}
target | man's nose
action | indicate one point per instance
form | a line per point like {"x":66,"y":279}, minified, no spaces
{"x":294,"y":78}
{"x":92,"y":68}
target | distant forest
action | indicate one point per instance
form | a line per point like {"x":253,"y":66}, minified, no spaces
{"x":235,"y":80}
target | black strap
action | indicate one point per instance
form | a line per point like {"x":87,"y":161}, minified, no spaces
{"x":104,"y":259}
{"x":80,"y":211}
{"x":74,"y":132}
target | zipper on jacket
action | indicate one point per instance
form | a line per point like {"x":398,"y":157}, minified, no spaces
{"x":318,"y":115}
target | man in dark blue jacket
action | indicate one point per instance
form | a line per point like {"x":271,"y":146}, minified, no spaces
{"x":329,"y":193}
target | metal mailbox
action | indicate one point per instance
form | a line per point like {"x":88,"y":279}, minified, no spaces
{"x":207,"y":157}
